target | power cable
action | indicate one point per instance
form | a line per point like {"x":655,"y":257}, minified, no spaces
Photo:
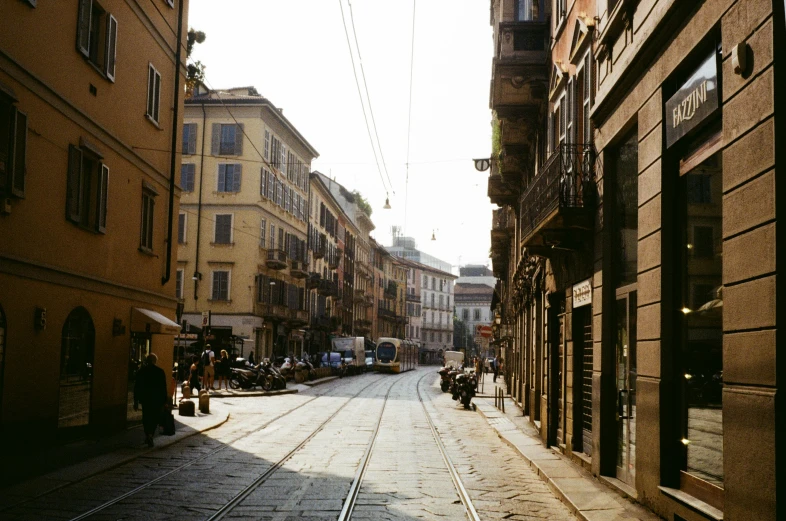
{"x":360,"y":96}
{"x":409,"y":119}
{"x":368,"y":96}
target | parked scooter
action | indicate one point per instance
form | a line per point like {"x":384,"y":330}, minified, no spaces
{"x":247,"y":378}
{"x":463,"y":389}
{"x":446,"y":375}
{"x":275,"y":379}
{"x":304,"y":366}
{"x":287,"y":369}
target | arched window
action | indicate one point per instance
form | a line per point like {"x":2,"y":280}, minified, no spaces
{"x":76,"y":369}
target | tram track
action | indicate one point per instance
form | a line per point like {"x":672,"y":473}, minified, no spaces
{"x":180,"y":468}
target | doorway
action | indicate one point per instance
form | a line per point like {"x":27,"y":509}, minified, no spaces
{"x":582,"y":379}
{"x":625,"y":379}
{"x":76,"y":369}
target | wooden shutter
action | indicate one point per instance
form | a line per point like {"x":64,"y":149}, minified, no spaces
{"x":267,"y":145}
{"x":192,"y":135}
{"x":83,"y":27}
{"x":73,"y":210}
{"x":239,"y":139}
{"x":286,"y":198}
{"x":111,"y":47}
{"x":216,"y":285}
{"x":101,"y":199}
{"x":156,"y":96}
{"x":238,"y":172}
{"x":18,"y":153}
{"x":181,"y":228}
{"x":262,"y":179}
{"x":215,"y":139}
{"x":222,"y":174}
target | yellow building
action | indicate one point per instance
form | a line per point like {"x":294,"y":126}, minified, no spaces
{"x":243,"y":223}
{"x":88,"y":185}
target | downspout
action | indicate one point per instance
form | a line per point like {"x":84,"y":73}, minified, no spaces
{"x":173,"y":160}
{"x":197,"y":275}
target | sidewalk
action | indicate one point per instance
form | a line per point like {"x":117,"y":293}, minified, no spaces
{"x":586,"y":497}
{"x":42,"y":471}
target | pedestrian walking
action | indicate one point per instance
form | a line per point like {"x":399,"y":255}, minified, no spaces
{"x":150,"y":392}
{"x":223,"y":370}
{"x":193,"y":376}
{"x":208,"y":362}
{"x":495,"y":367}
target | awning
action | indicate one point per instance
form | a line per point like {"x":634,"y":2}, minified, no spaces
{"x":148,"y":321}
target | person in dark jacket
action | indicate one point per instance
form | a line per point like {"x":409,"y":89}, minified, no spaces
{"x":150,"y":391}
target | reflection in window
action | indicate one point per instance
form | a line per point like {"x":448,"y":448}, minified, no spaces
{"x":626,"y":214}
{"x":702,"y":334}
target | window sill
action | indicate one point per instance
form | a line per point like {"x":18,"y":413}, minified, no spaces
{"x":220,"y":301}
{"x":147,"y":251}
{"x":153,"y":122}
{"x":693,"y":503}
{"x":223,"y":244}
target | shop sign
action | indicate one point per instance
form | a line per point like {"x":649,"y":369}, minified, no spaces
{"x":694,"y":101}
{"x":582,"y":293}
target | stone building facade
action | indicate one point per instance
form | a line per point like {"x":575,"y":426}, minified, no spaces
{"x":638,"y":284}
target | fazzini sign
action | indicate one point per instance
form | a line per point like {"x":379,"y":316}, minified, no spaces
{"x":694,"y":101}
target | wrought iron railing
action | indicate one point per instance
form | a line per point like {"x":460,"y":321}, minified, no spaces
{"x":566,"y":180}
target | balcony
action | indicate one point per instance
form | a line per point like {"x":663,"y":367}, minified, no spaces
{"x":276,"y":259}
{"x":358,"y":295}
{"x":391,"y":290}
{"x":558,"y":207}
{"x":503,"y":228}
{"x":411,"y":297}
{"x":368,"y":300}
{"x":312,"y":282}
{"x":520,"y":68}
{"x":298,"y":269}
{"x":363,"y":270}
{"x":327,"y":288}
{"x":334,"y":261}
{"x":297,"y":318}
{"x":273,"y":312}
{"x":387,"y":314}
{"x":320,"y":248}
{"x":500,"y":192}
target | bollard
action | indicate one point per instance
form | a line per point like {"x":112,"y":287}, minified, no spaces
{"x":186,"y":390}
{"x":204,"y":402}
{"x":186,"y":408}
{"x":502,"y":399}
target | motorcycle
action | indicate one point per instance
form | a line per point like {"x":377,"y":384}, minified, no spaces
{"x":304,"y":366}
{"x":446,"y":375}
{"x":275,"y":378}
{"x":463,"y":388}
{"x":287,"y":369}
{"x":248,"y":378}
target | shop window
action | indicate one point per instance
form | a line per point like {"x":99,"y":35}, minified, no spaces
{"x":76,"y":369}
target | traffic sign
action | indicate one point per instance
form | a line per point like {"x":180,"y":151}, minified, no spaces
{"x":485,"y":331}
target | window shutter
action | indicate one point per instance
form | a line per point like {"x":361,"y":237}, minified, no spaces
{"x":156,"y":96}
{"x":267,"y":145}
{"x":192,"y":134}
{"x":72,"y":189}
{"x":264,"y":295}
{"x":222,"y":173}
{"x":215,"y":139}
{"x":238,"y":169}
{"x":18,"y":150}
{"x":150,"y":89}
{"x":239,"y":139}
{"x":111,"y":47}
{"x":83,"y":27}
{"x":216,"y":285}
{"x":262,"y":178}
{"x":181,"y":228}
{"x":102,"y":198}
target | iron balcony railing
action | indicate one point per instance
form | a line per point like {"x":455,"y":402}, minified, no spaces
{"x":566,"y":180}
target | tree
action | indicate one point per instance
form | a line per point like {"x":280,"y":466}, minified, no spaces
{"x":195,"y":71}
{"x":362,"y":203}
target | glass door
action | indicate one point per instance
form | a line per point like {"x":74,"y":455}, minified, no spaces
{"x":625,"y":339}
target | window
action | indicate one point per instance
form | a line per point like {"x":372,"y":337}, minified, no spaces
{"x":272,"y":236}
{"x":527,"y":10}
{"x":189,"y":138}
{"x":220,"y":285}
{"x":229,"y":177}
{"x":263,"y":183}
{"x":181,"y":228}
{"x":271,"y":186}
{"x":279,"y":192}
{"x":227,"y":139}
{"x":13,"y":149}
{"x":187,"y":172}
{"x":87,"y":189}
{"x":432,"y":336}
{"x":287,"y":199}
{"x":425,"y":281}
{"x":179,"y":284}
{"x":148,"y":212}
{"x":223,"y":234}
{"x":267,"y":145}
{"x":153,"y":93}
{"x":96,"y":37}
{"x":476,"y":314}
{"x":262,"y":233}
{"x":433,"y":286}
{"x":559,"y":11}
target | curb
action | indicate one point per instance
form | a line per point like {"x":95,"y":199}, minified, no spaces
{"x":537,"y":457}
{"x":320,"y":381}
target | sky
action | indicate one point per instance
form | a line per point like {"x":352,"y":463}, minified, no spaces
{"x":296,"y":54}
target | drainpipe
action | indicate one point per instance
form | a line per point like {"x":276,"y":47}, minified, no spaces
{"x":197,"y":275}
{"x":173,"y":160}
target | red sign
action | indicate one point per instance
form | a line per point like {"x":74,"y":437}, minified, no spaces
{"x":485,"y":331}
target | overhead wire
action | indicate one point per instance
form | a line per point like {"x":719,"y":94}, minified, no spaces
{"x":409,"y":117}
{"x":368,"y":96}
{"x":360,"y":96}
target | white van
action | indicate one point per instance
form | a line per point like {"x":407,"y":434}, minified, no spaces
{"x":453,"y":359}
{"x":353,"y":351}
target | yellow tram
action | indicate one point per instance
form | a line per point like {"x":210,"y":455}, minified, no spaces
{"x":395,"y":355}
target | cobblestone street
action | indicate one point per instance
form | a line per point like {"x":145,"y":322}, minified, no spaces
{"x":299,"y":456}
